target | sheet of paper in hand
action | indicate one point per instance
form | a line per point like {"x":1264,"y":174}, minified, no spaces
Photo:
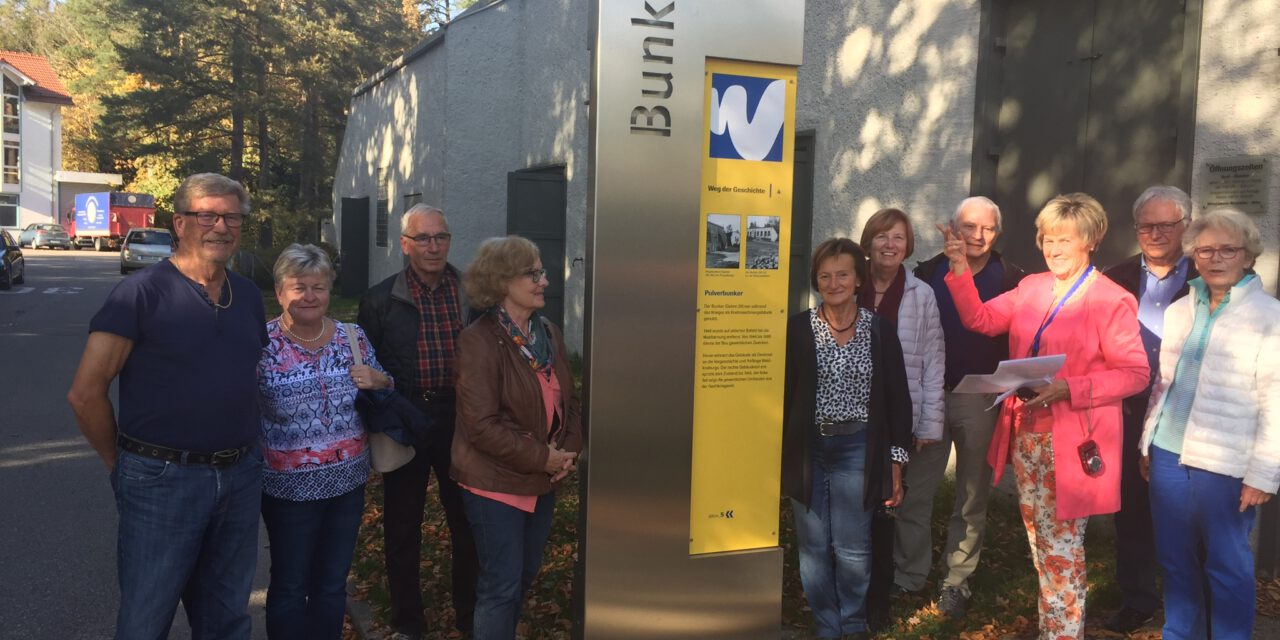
{"x":1011,"y":374}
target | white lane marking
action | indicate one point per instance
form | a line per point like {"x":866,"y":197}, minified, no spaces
{"x":14,"y":292}
{"x":63,"y":290}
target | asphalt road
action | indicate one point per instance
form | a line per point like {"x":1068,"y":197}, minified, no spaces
{"x":57,"y":513}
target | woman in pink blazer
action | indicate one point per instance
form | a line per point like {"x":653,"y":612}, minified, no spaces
{"x":1064,"y":438}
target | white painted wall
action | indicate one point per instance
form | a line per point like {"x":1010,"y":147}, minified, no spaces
{"x":397,"y":125}
{"x":520,"y":74}
{"x":40,"y":157}
{"x":504,"y":91}
{"x":888,"y":87}
{"x":1238,"y":103}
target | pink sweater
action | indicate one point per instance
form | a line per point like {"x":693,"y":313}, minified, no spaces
{"x":1098,"y":332}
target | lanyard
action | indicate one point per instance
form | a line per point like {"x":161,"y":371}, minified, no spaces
{"x":1035,"y":344}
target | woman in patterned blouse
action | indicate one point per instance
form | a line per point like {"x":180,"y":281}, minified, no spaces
{"x":846,"y":430}
{"x":314,"y":446}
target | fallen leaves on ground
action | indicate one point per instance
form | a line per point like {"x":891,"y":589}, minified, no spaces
{"x":1003,"y":606}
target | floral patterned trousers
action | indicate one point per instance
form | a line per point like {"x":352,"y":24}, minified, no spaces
{"x":1057,"y":546}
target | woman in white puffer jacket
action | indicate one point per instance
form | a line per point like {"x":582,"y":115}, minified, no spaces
{"x":895,"y":294}
{"x":1211,"y":444}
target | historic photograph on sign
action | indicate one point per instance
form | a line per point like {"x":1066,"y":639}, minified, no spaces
{"x":762,"y":242}
{"x":724,"y":241}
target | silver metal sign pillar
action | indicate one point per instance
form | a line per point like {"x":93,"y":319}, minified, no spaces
{"x":647,"y":138}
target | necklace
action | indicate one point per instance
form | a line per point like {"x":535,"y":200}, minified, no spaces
{"x":299,"y":338}
{"x":827,"y":319}
{"x":231,"y":296}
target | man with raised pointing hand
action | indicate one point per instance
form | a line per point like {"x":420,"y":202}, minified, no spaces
{"x":968,"y":425}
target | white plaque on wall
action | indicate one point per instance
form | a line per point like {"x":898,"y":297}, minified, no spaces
{"x":1238,"y":182}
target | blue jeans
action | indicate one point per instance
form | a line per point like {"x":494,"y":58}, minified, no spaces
{"x":1194,"y":512}
{"x":311,"y":546}
{"x":187,"y":532}
{"x":834,"y":536}
{"x":510,"y":543}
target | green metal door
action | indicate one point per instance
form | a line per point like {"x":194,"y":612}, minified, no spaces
{"x":354,"y":275}
{"x":1082,"y":96}
{"x":536,"y":210}
{"x":801,"y":224}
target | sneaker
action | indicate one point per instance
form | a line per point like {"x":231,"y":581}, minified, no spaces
{"x":405,"y":635}
{"x":951,"y":602}
{"x":1127,"y":620}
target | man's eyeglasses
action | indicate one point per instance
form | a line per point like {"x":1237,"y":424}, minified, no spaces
{"x":1162,"y":227}
{"x":536,"y":275}
{"x":1207,"y":253}
{"x":210,"y":219}
{"x":425,"y":239}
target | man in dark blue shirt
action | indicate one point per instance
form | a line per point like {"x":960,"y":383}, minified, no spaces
{"x":968,"y":424}
{"x":185,"y":337}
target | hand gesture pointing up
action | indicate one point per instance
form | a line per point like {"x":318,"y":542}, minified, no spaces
{"x":953,"y":248}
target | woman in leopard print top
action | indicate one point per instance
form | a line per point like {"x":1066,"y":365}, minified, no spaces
{"x":846,"y":430}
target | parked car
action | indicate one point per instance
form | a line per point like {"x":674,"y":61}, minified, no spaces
{"x":28,"y":236}
{"x":143,"y":247}
{"x":56,"y":238}
{"x":13,"y":269}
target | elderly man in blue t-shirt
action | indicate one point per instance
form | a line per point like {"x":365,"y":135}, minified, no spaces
{"x":184,"y":336}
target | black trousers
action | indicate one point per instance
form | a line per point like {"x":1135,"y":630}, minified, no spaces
{"x":880,"y":591}
{"x":1136,"y":564}
{"x":404,"y":500}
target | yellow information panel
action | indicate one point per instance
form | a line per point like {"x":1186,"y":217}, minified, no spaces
{"x":742,"y":305}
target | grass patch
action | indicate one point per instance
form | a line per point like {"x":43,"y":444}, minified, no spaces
{"x":1004,"y":585}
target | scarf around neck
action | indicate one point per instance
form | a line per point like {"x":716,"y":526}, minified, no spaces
{"x":535,"y":346}
{"x":888,"y":308}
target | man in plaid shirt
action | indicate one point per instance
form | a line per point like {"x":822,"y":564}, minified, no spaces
{"x":413,"y":319}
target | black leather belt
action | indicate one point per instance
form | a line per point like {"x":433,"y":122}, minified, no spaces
{"x":842,"y":428}
{"x":146,"y":449}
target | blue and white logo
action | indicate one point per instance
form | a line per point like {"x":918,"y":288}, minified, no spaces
{"x":747,"y":117}
{"x":91,"y":212}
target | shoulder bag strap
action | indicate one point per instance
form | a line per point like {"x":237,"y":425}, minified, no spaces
{"x":354,"y":339}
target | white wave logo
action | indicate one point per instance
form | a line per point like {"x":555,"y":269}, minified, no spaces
{"x":91,"y":210}
{"x":752,"y":138}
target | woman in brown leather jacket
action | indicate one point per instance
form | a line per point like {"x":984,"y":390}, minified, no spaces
{"x":519,"y":426}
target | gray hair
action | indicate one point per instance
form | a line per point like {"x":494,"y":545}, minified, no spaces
{"x":207,"y":185}
{"x":302,"y":260}
{"x":1177,"y":196}
{"x":1230,"y":221}
{"x":982,"y":200}
{"x":421,"y":210}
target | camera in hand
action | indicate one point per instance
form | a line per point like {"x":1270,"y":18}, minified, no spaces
{"x":1090,"y":458}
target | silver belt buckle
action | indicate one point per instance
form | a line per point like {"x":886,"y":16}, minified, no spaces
{"x":822,"y":428}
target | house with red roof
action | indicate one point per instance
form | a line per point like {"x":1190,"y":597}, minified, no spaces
{"x":31,"y":134}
